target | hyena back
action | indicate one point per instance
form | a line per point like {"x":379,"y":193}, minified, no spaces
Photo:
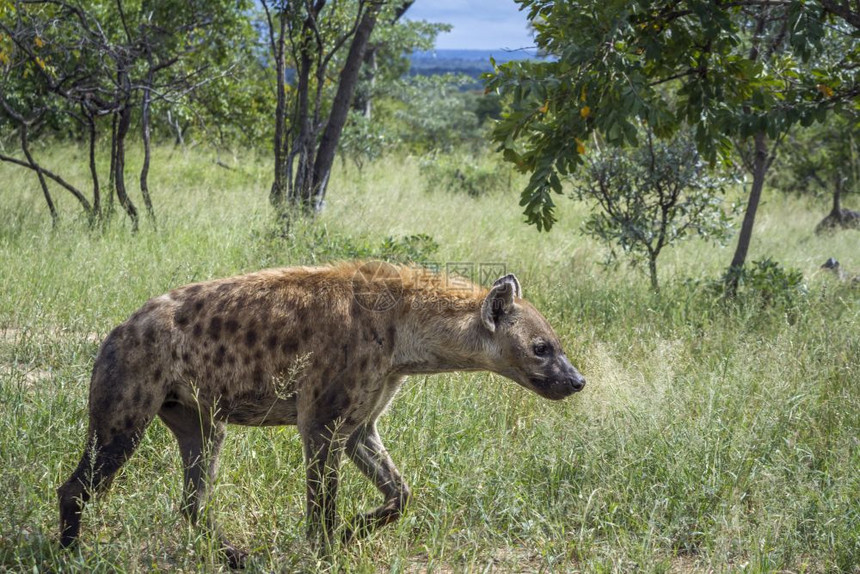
{"x":322,"y":348}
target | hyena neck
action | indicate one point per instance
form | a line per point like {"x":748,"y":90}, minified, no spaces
{"x":431,"y":342}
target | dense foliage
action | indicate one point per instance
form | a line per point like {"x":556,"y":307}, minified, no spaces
{"x":284,"y":75}
{"x":741,"y":75}
{"x":90,"y":69}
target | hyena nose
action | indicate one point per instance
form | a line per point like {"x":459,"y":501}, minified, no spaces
{"x":575,"y":380}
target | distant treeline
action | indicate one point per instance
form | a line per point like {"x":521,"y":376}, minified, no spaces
{"x":472,"y":63}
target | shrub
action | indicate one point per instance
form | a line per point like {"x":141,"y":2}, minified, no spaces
{"x":648,"y":198}
{"x":461,"y":174}
{"x":766,"y":281}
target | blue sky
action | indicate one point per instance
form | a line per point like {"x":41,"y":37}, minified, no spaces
{"x":478,"y":24}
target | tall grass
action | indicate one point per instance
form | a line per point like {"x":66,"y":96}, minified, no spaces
{"x":712,"y":436}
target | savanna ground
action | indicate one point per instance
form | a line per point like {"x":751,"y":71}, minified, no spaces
{"x":712,"y":436}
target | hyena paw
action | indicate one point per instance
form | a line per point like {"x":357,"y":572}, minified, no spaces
{"x":235,"y":557}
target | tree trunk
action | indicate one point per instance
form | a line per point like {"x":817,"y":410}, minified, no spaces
{"x":147,"y":153}
{"x":837,"y":196}
{"x":761,"y":162}
{"x":363,"y":101}
{"x":652,"y":271}
{"x":94,"y":174}
{"x":119,"y":165}
{"x":340,"y":106}
{"x":112,"y":169}
{"x":177,"y":130}
{"x":278,"y":193}
{"x":304,"y":141}
{"x":25,"y":147}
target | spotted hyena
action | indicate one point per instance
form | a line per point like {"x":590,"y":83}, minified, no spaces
{"x":323,"y":348}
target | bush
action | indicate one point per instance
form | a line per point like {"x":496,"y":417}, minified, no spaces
{"x":464,"y":175}
{"x":318,"y":244}
{"x":651,"y":197}
{"x":768,"y":282}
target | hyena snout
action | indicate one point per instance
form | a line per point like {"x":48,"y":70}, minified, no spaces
{"x":575,"y":379}
{"x":569,"y":378}
{"x":559,"y":381}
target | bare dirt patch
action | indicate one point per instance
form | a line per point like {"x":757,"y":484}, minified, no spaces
{"x":29,"y":376}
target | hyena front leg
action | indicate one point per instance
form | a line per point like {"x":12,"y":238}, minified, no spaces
{"x":323,"y":446}
{"x":200,"y":440}
{"x":366,"y":450}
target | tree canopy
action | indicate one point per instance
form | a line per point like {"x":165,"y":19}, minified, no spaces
{"x":732,"y":70}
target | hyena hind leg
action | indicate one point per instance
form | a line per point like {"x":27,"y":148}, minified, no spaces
{"x":200,"y":440}
{"x":104,"y":455}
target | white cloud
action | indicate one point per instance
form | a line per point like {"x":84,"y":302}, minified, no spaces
{"x":477,"y":24}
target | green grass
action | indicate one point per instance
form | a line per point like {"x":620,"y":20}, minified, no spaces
{"x":711,"y":436}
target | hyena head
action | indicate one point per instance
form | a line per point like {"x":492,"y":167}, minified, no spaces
{"x":524,"y":348}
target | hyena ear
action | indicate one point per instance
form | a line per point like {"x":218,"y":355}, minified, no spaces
{"x":499,"y":300}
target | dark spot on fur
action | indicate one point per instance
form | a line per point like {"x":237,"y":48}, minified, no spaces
{"x":220,"y":354}
{"x":156,"y":376}
{"x":186,"y":357}
{"x":333,"y":402}
{"x":289,"y":346}
{"x":149,"y":335}
{"x":215,"y":328}
{"x":248,"y":359}
{"x":250,"y":338}
{"x":230,"y":358}
{"x":259,"y":376}
{"x":374,"y":336}
{"x":129,"y":423}
{"x":131,"y":335}
{"x":392,"y":332}
{"x":198,"y":305}
{"x":207,"y":357}
{"x":317,"y":393}
{"x":272,"y":342}
{"x":231,"y":325}
{"x":138,"y":397}
{"x":198,"y":330}
{"x":174,"y":355}
{"x":306,"y":333}
{"x":193,"y":289}
{"x":362,"y":365}
{"x":225,"y":288}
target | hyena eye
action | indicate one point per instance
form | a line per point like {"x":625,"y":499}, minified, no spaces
{"x":541,"y":349}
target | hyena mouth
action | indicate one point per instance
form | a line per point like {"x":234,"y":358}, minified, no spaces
{"x":556,"y":389}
